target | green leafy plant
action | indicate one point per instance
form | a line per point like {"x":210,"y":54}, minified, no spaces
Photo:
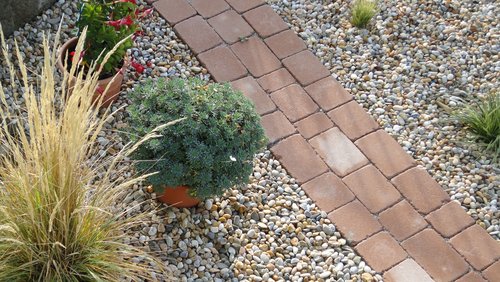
{"x":57,"y":223}
{"x":211,"y":150}
{"x":483,"y":121}
{"x":362,"y":12}
{"x":108,"y":22}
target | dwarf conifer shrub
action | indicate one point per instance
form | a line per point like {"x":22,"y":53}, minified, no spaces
{"x":210,"y":150}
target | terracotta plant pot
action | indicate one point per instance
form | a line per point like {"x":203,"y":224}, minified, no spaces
{"x":178,"y":197}
{"x":114,"y":90}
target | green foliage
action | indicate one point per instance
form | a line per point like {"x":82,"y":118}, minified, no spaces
{"x":362,"y":12}
{"x":108,"y":21}
{"x":211,"y":150}
{"x":483,"y":121}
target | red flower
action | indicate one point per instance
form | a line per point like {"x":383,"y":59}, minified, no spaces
{"x":138,"y":67}
{"x":130,"y":1}
{"x":118,"y":23}
{"x":143,"y":13}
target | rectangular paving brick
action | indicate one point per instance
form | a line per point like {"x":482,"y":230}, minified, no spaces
{"x":231,"y":26}
{"x":244,"y":5}
{"x":328,"y":192}
{"x":471,"y":277}
{"x":418,"y":187}
{"x":222,"y":64}
{"x":407,"y":271}
{"x":493,"y":272}
{"x":449,"y":219}
{"x":277,"y":126}
{"x":314,"y":124}
{"x":299,"y":158}
{"x":328,"y":93}
{"x":437,"y":257}
{"x":209,"y":8}
{"x":402,"y":220}
{"x":256,"y":56}
{"x":477,"y":246}
{"x":355,"y":222}
{"x":174,"y":11}
{"x":265,"y":21}
{"x":372,"y":188}
{"x":197,"y":34}
{"x":276,"y":80}
{"x":385,"y":153}
{"x":381,"y":245}
{"x":338,"y":152}
{"x":353,"y":120}
{"x":294,"y":102}
{"x":251,"y":89}
{"x":285,"y":43}
{"x":305,"y":67}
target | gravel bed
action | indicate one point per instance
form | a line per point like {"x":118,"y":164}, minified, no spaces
{"x":415,"y":62}
{"x":268,"y":230}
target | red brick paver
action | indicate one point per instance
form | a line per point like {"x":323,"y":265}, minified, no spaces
{"x":353,"y":120}
{"x":355,"y":222}
{"x":265,"y":21}
{"x":244,"y":5}
{"x":305,"y":67}
{"x":174,"y":11}
{"x":314,"y":124}
{"x":277,"y":126}
{"x":477,"y":246}
{"x":372,"y":188}
{"x":407,"y":271}
{"x":210,"y":8}
{"x":471,"y":277}
{"x":449,"y":219}
{"x":276,"y":80}
{"x":252,"y":90}
{"x":328,"y":191}
{"x":298,"y":157}
{"x":338,"y":152}
{"x":493,"y":272}
{"x":381,"y":244}
{"x":222,"y":64}
{"x":285,"y":43}
{"x":436,"y":256}
{"x":402,"y":220}
{"x":197,"y":34}
{"x":231,"y":26}
{"x":256,"y":56}
{"x":328,"y":93}
{"x":294,"y":102}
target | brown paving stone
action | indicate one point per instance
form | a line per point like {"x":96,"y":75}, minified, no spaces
{"x":449,"y":219}
{"x":174,"y":11}
{"x":252,"y":90}
{"x":471,"y":277}
{"x":299,"y":158}
{"x":244,"y":5}
{"x":305,"y":67}
{"x":402,"y":220}
{"x":353,"y":120}
{"x":385,"y":153}
{"x":328,"y":192}
{"x":407,"y":271}
{"x":230,"y":26}
{"x":265,"y":21}
{"x":477,"y":246}
{"x":209,"y":8}
{"x":438,"y":258}
{"x":354,"y":221}
{"x":420,"y":189}
{"x":277,"y":126}
{"x":328,"y":93}
{"x":197,"y":34}
{"x":276,"y":80}
{"x":256,"y":56}
{"x":222,"y":64}
{"x":285,"y":43}
{"x":381,"y":244}
{"x":493,"y":272}
{"x":294,"y":102}
{"x":338,"y":152}
{"x":314,"y":124}
{"x":372,"y":188}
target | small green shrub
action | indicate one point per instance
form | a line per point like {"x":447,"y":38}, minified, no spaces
{"x":483,"y":121}
{"x":362,"y":12}
{"x":211,"y":150}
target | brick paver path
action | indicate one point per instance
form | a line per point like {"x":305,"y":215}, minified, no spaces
{"x":393,"y":213}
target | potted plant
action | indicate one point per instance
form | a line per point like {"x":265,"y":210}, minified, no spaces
{"x":208,"y":152}
{"x":108,"y":22}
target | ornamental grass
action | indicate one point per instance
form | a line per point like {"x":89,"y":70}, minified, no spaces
{"x":362,"y":12}
{"x":57,"y":223}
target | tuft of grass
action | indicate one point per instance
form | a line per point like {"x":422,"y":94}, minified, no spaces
{"x":483,"y":121}
{"x":362,"y":12}
{"x":56,"y":222}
